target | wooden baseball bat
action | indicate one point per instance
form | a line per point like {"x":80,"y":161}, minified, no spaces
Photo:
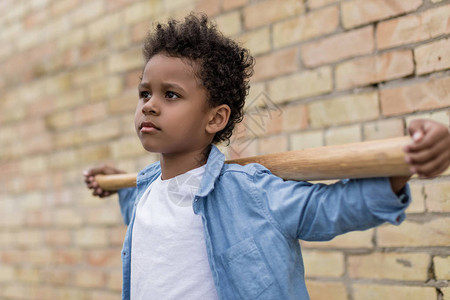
{"x":357,"y":160}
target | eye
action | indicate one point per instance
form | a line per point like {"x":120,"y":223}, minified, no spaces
{"x":144,"y":95}
{"x":171,"y":95}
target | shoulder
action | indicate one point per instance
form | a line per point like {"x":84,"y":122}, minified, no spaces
{"x":249,"y":170}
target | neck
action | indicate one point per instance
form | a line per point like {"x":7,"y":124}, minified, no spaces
{"x":176,"y":164}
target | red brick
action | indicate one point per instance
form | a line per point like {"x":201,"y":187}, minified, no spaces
{"x":209,"y":7}
{"x":356,"y":12}
{"x":276,"y":64}
{"x":338,"y":47}
{"x":413,"y":28}
{"x":374,"y":69}
{"x":431,"y":94}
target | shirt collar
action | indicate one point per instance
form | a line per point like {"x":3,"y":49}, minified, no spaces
{"x":213,"y":168}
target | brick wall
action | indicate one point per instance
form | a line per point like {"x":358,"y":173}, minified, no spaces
{"x":331,"y":71}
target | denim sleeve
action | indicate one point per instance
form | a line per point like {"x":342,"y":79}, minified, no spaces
{"x":319,"y":212}
{"x":127,"y":197}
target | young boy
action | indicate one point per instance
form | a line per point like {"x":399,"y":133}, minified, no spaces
{"x":202,"y":229}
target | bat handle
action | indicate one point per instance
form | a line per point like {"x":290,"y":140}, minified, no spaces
{"x":116,"y":181}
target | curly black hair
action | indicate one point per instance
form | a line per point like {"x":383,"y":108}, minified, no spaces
{"x":224,"y":66}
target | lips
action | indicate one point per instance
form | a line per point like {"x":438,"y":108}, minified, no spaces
{"x":148,"y":126}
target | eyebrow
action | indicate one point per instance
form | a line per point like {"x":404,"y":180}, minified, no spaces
{"x":166,"y":85}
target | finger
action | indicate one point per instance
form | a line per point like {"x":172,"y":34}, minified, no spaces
{"x":427,"y":154}
{"x":432,"y":135}
{"x":432,"y":166}
{"x":434,"y":174}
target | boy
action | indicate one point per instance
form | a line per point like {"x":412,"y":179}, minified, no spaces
{"x":202,"y":229}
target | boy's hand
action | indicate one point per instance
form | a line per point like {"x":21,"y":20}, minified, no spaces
{"x":429,"y":153}
{"x":89,"y":178}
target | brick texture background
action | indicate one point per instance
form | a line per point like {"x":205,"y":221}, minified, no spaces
{"x":332,"y":71}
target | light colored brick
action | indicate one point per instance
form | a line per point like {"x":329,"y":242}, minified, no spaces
{"x":103,"y":216}
{"x":96,"y":153}
{"x":319,"y":3}
{"x":350,"y":240}
{"x":91,"y":237}
{"x":269,"y":11}
{"x":323,"y":263}
{"x":295,"y":117}
{"x":273,"y":144}
{"x":432,"y":233}
{"x":67,"y":217}
{"x":105,"y":88}
{"x":338,"y":47}
{"x":230,"y":23}
{"x":114,"y":280}
{"x":276,"y":63}
{"x":344,"y":110}
{"x":126,"y":61}
{"x":395,"y":266}
{"x":89,"y":73}
{"x":437,"y":196}
{"x":74,"y":38}
{"x":305,"y":27}
{"x":356,"y":12}
{"x":7,"y":274}
{"x":88,"y":11}
{"x":142,"y":10}
{"x":58,"y":237}
{"x":383,"y":129}
{"x":63,"y":159}
{"x":374,"y":69}
{"x":60,"y":7}
{"x":28,"y":275}
{"x":231,"y":4}
{"x":104,"y":258}
{"x":320,"y":290}
{"x":413,"y":28}
{"x":431,"y":94}
{"x":90,"y":113}
{"x":343,"y":135}
{"x":392,"y":292}
{"x":105,"y":130}
{"x":104,"y":26}
{"x":68,"y":138}
{"x":126,"y":102}
{"x":433,"y":57}
{"x":301,"y":85}
{"x":127,"y":147}
{"x":257,"y":41}
{"x":90,"y":279}
{"x":242,"y":147}
{"x":308,"y":139}
{"x":442,"y":267}
{"x":104,"y":295}
{"x":442,"y":116}
{"x":445,"y":290}
{"x":29,"y":238}
{"x":418,"y":198}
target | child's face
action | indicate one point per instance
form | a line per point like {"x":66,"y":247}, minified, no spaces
{"x":172,"y":110}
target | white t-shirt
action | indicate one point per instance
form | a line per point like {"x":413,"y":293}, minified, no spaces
{"x":168,"y":254}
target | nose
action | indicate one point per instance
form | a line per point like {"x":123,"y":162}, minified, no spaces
{"x":151,"y":107}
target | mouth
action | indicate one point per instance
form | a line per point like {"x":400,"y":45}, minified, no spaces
{"x":148,"y":127}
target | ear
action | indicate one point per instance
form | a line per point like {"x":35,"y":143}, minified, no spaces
{"x":218,"y":118}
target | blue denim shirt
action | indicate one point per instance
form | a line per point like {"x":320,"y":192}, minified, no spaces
{"x":253,"y":220}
